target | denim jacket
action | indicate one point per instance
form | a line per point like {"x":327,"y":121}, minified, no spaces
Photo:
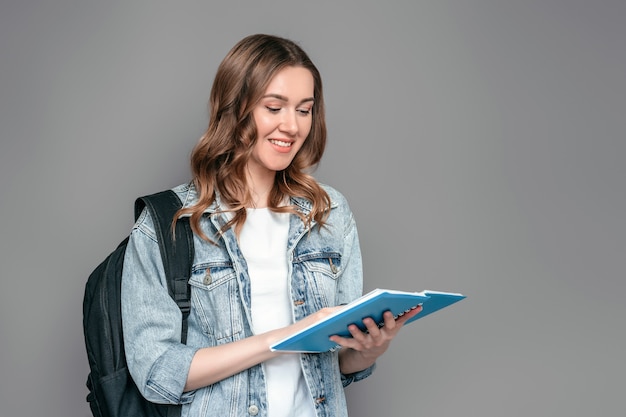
{"x":325,"y":270}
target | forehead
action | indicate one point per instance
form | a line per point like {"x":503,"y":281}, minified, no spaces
{"x":292,"y":82}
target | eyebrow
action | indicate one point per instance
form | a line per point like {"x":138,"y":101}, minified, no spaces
{"x":283,"y":98}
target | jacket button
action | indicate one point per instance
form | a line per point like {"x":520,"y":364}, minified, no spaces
{"x":253,"y":410}
{"x":207,"y":277}
{"x":333,"y":268}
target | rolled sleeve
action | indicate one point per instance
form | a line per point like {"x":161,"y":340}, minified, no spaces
{"x":164,"y":382}
{"x":357,"y":376}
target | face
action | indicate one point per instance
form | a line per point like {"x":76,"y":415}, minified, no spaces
{"x":283,"y":120}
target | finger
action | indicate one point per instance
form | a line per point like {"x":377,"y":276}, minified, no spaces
{"x":372,"y":327}
{"x":389,"y":320}
{"x":348,"y":342}
{"x":358,"y":334}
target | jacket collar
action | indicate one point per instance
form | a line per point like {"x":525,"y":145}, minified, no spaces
{"x":191,"y":196}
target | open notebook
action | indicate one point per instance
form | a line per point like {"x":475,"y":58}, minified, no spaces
{"x":314,"y":338}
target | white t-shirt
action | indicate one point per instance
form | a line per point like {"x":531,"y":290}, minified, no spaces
{"x":263,"y":241}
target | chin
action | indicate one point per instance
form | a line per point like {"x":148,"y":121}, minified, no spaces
{"x":279,"y":166}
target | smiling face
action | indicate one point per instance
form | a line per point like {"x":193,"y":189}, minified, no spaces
{"x":283,"y":121}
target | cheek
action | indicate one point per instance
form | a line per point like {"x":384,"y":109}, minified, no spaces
{"x":305,"y":127}
{"x":263,"y":124}
{"x":263,"y":120}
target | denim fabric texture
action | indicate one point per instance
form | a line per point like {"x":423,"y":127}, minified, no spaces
{"x":325,"y":270}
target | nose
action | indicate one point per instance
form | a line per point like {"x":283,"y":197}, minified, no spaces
{"x":289,"y":123}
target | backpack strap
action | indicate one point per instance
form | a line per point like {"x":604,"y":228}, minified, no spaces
{"x":177,"y":254}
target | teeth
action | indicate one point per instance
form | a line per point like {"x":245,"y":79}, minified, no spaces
{"x":280,"y":143}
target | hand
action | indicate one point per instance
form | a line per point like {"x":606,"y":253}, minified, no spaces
{"x":362,"y":350}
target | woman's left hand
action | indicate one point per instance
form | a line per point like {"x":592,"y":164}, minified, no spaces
{"x":364,"y":347}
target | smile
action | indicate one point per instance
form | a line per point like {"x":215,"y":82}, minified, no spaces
{"x":280,"y":143}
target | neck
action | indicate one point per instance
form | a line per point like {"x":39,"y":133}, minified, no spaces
{"x":260,"y":199}
{"x":260,"y":189}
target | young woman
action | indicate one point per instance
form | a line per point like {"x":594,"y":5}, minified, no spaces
{"x":274,"y":252}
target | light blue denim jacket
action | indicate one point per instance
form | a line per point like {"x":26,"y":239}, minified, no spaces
{"x":325,"y":270}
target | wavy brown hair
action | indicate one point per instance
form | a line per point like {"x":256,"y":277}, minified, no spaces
{"x":219,"y":159}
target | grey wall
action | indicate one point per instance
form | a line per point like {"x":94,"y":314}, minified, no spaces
{"x":481,"y":145}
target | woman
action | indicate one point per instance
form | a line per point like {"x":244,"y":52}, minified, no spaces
{"x":274,"y":252}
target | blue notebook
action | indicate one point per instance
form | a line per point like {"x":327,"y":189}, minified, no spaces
{"x":314,"y":338}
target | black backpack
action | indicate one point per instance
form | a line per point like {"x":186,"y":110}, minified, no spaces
{"x":112,"y":392}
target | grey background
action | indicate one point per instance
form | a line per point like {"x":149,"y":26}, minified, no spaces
{"x":480,"y":143}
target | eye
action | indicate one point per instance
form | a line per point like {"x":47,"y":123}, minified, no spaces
{"x":304,"y":112}
{"x":272,"y":109}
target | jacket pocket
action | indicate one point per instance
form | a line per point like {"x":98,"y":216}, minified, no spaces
{"x":216,"y":301}
{"x":320,"y":272}
{"x":327,"y":264}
